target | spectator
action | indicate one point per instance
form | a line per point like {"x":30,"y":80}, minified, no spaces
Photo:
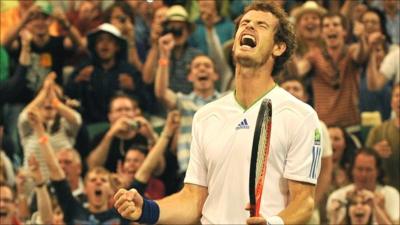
{"x":203,"y":76}
{"x":212,"y":30}
{"x":97,"y":81}
{"x":344,"y":147}
{"x":308,"y":26}
{"x":61,"y":121}
{"x":295,"y":87}
{"x":8,"y":210}
{"x":111,"y":145}
{"x":372,"y":31}
{"x":97,"y":187}
{"x":178,"y":25}
{"x":6,"y":169}
{"x":45,"y":212}
{"x":367,"y":175}
{"x":384,"y":139}
{"x":389,"y":69}
{"x":121,"y":16}
{"x":392,"y":12}
{"x":336,"y":71}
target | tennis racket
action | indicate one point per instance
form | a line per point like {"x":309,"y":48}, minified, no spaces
{"x":259,"y":156}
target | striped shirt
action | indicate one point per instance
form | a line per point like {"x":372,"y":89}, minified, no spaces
{"x":335,"y":105}
{"x":64,"y":137}
{"x":188,"y":106}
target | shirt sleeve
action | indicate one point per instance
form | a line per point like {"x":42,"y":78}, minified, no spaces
{"x":388,"y":66}
{"x":70,"y":128}
{"x":65,"y":199}
{"x":392,"y":203}
{"x":197,"y":170}
{"x":303,"y":161}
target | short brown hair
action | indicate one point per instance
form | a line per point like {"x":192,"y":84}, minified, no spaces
{"x":343,"y":20}
{"x":284,"y":31}
{"x":97,"y":170}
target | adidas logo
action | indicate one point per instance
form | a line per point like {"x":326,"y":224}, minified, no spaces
{"x":243,"y":125}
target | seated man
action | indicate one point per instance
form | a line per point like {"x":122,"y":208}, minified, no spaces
{"x":111,"y":146}
{"x":367,"y":175}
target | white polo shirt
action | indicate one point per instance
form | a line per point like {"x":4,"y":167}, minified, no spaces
{"x":221,"y":150}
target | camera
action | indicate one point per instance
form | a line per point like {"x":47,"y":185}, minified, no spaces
{"x":175,"y":31}
{"x":122,"y":18}
{"x":134,"y":125}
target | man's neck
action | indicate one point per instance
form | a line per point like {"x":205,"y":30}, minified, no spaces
{"x":41,"y":40}
{"x":252,"y":83}
{"x":108,"y":64}
{"x":97,"y":209}
{"x":335,"y":52}
{"x":206,"y":93}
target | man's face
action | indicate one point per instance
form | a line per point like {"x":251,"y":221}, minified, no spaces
{"x":122,"y":107}
{"x":6,"y":203}
{"x":309,"y":26}
{"x":333,"y":32}
{"x":97,"y":189}
{"x":365,"y":172}
{"x":338,"y":143}
{"x":208,"y":8}
{"x":47,"y":111}
{"x":39,"y":25}
{"x":133,"y":161}
{"x":371,"y":22}
{"x":70,"y":166}
{"x":178,"y":25}
{"x":254,"y":39}
{"x":106,"y":46}
{"x":395,"y":103}
{"x":202,"y":73}
{"x":295,"y":88}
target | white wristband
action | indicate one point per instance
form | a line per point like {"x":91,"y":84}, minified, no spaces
{"x":275,"y":220}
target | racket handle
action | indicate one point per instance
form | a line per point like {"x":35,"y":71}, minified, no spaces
{"x":252,"y":210}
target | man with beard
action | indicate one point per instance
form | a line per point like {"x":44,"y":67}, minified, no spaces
{"x":7,"y":205}
{"x":216,"y":184}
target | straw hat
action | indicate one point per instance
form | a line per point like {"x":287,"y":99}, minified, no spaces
{"x":307,"y":7}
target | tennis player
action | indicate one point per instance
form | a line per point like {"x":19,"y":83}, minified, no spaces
{"x":216,"y":187}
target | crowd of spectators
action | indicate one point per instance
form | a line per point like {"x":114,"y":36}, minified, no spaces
{"x":99,"y":95}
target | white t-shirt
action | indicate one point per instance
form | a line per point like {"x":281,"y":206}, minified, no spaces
{"x":390,"y":67}
{"x":221,"y":152}
{"x":390,"y":194}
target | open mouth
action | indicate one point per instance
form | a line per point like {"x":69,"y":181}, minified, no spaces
{"x":248,"y":40}
{"x":359,"y":214}
{"x":202,"y":77}
{"x":310,"y":28}
{"x":3,"y":214}
{"x":98,"y":193}
{"x":332,"y":36}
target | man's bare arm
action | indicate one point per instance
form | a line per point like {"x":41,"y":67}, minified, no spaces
{"x":190,"y":201}
{"x":301,"y":203}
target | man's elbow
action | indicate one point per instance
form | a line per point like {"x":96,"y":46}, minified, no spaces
{"x":308,"y":207}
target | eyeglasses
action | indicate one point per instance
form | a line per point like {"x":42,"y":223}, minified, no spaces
{"x":6,"y":200}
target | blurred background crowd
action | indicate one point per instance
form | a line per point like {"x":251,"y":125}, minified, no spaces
{"x":99,"y":95}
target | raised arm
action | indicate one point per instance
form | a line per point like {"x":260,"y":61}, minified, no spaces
{"x":375,"y":80}
{"x":43,"y":198}
{"x":43,"y":93}
{"x":156,"y":153}
{"x":162,"y":91}
{"x":55,"y":170}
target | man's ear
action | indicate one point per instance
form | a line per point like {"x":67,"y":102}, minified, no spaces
{"x":279,"y":49}
{"x":190,"y":77}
